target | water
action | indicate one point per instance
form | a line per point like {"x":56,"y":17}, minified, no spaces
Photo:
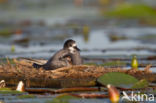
{"x":98,"y":41}
{"x":45,"y":40}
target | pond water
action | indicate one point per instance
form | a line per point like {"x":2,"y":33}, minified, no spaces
{"x":97,"y":45}
{"x":107,"y":40}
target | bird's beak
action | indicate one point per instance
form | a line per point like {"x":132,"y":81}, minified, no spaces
{"x":77,"y":48}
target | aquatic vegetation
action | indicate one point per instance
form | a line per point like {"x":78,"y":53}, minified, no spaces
{"x":114,"y":94}
{"x":140,"y":84}
{"x":85,"y":32}
{"x":109,"y":64}
{"x":91,"y":64}
{"x":2,"y":84}
{"x":122,"y":80}
{"x":26,"y":96}
{"x":134,"y":63}
{"x":114,"y":37}
{"x":113,"y":64}
{"x":74,"y":76}
{"x":148,"y":38}
{"x":20,"y":86}
{"x":117,"y":79}
{"x":132,"y":11}
{"x":6,"y":61}
{"x":5,"y":89}
{"x":13,"y":48}
{"x":9,"y":91}
{"x":6,"y":32}
{"x":63,"y":98}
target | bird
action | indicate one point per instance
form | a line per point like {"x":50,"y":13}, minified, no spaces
{"x":69,"y":55}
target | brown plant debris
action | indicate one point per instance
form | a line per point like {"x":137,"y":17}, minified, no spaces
{"x":81,"y":75}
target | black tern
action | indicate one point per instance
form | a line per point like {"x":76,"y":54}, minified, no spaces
{"x":61,"y":58}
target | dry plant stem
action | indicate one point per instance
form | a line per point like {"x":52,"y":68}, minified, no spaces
{"x":147,"y":68}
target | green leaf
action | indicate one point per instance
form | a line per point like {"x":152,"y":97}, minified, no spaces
{"x":141,"y":84}
{"x":5,"y":89}
{"x":10,"y":92}
{"x":66,"y":97}
{"x":132,"y":11}
{"x":26,"y":96}
{"x":117,"y":79}
{"x":63,"y":98}
{"x":114,"y":63}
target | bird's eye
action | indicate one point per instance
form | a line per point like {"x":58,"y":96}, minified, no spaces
{"x":70,"y":45}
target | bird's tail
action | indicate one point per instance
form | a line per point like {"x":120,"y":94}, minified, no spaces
{"x":37,"y":66}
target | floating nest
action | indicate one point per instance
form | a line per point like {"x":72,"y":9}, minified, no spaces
{"x":81,"y":75}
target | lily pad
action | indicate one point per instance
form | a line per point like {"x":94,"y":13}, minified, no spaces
{"x":141,"y":84}
{"x":117,"y":79}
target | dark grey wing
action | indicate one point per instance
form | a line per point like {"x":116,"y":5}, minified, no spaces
{"x":57,"y":60}
{"x":76,"y":58}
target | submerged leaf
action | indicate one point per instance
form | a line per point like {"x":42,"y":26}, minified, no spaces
{"x":66,"y":97}
{"x":141,"y":84}
{"x":63,"y":98}
{"x":117,"y":79}
{"x":26,"y":96}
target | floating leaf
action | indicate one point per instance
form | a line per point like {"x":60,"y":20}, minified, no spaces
{"x":114,"y":63}
{"x":141,"y":84}
{"x":10,"y":92}
{"x":63,"y":98}
{"x":26,"y":96}
{"x":132,"y":11}
{"x":117,"y":79}
{"x":5,"y":89}
{"x":66,"y":97}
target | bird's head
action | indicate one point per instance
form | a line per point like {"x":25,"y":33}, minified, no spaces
{"x":71,"y":45}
